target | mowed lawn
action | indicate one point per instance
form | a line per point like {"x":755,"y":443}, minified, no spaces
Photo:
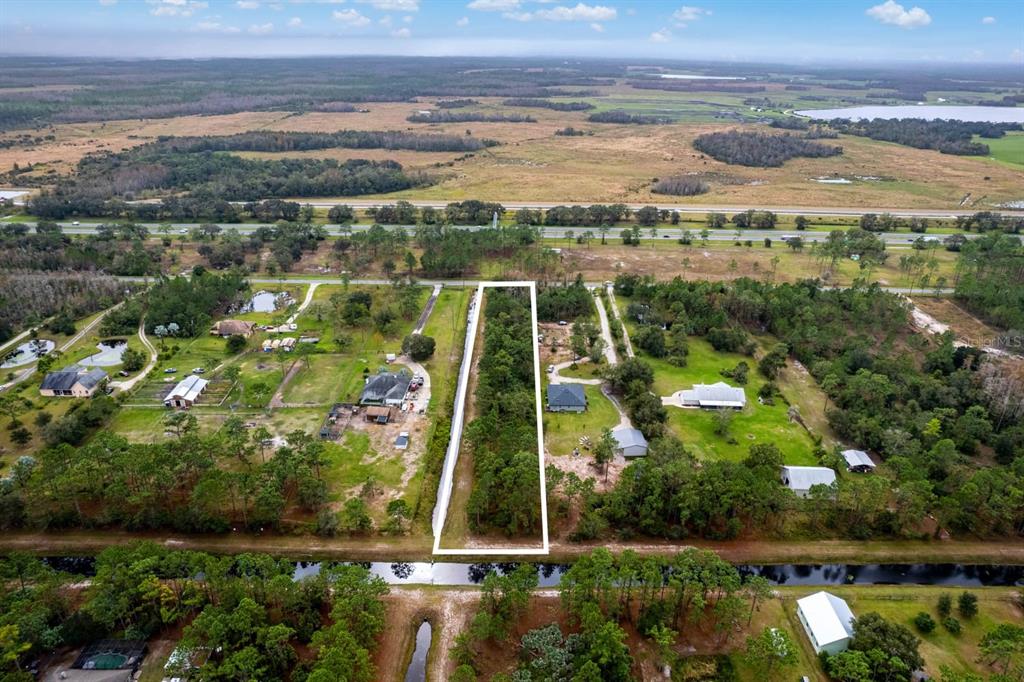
{"x":321,"y":382}
{"x":1008,"y":149}
{"x":562,"y":430}
{"x":756,"y":423}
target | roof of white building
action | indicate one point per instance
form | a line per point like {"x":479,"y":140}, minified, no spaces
{"x":718,"y":394}
{"x":828,"y":617}
{"x":802,"y":478}
{"x":857,"y":458}
{"x":628,"y":437}
{"x":188,"y":388}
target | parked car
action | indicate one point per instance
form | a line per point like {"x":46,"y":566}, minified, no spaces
{"x":170,"y":370}
{"x":562,"y":323}
{"x":198,"y":370}
{"x":551,"y":368}
{"x":75,"y":223}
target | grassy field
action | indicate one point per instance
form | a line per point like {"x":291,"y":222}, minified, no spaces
{"x":1008,"y":150}
{"x":562,"y":430}
{"x":611,"y":163}
{"x":756,"y":423}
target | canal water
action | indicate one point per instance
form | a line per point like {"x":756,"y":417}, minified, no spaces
{"x":447,"y":573}
{"x":929,"y":112}
{"x":417,"y":670}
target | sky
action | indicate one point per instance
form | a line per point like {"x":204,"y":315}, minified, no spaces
{"x":797,"y":32}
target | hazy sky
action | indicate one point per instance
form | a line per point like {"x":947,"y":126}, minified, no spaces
{"x":795,"y":32}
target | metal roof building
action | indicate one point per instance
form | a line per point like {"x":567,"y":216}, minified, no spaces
{"x":827,"y":620}
{"x":186,"y":392}
{"x":718,"y":394}
{"x":631,"y":443}
{"x":801,"y":479}
{"x":858,"y":460}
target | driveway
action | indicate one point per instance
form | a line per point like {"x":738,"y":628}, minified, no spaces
{"x":129,"y":384}
{"x":305,"y":302}
{"x":556,"y":378}
{"x":615,"y":311}
{"x":606,"y":332}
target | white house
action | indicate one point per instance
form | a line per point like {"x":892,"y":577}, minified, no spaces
{"x":827,"y":620}
{"x":858,"y":460}
{"x":801,"y":479}
{"x":187,"y":392}
{"x":715,"y":395}
{"x":630,"y":442}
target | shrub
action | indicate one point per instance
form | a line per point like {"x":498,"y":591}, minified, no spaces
{"x":952,"y":625}
{"x":235,"y":344}
{"x":924,"y":622}
{"x":967,"y":605}
{"x":945,"y":605}
{"x":418,"y":346}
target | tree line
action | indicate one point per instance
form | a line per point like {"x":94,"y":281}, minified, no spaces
{"x":948,"y":137}
{"x":547,"y":104}
{"x":760,"y":149}
{"x":278,"y":141}
{"x":27,"y":298}
{"x":449,"y":116}
{"x":991,"y":279}
{"x":624,"y":117}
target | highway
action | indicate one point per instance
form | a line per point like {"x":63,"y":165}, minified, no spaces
{"x":549,"y":231}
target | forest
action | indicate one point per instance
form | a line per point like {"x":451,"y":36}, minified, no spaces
{"x":247,"y":611}
{"x":991,"y":280}
{"x":27,"y":298}
{"x":276,"y":141}
{"x":114,"y":249}
{"x":503,"y":434}
{"x":760,"y":149}
{"x":680,"y":186}
{"x":189,"y":303}
{"x":547,"y":104}
{"x":948,"y":137}
{"x":933,"y":412}
{"x":451,"y":252}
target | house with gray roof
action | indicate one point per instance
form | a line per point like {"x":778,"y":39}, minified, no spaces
{"x":630,"y":442}
{"x":717,"y":395}
{"x":74,"y":381}
{"x":386,"y":388}
{"x":858,"y":460}
{"x":801,"y":479}
{"x":566,"y":398}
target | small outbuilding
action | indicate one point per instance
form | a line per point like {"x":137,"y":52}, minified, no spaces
{"x":801,"y":479}
{"x":858,"y":461}
{"x":378,"y":414}
{"x":186,"y":392}
{"x":386,"y":388}
{"x":827,"y":620}
{"x":228,"y":328}
{"x":712,"y":396}
{"x":74,"y":381}
{"x":566,"y":398}
{"x":630,"y":442}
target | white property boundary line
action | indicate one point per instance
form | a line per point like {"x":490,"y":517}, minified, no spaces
{"x":452,"y":455}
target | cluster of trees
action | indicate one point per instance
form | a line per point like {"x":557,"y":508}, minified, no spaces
{"x":455,"y":103}
{"x":448,"y":116}
{"x":680,"y":186}
{"x":661,"y":598}
{"x":190,"y":483}
{"x":190,"y":303}
{"x":244,"y":616}
{"x":624,"y":117}
{"x":116,"y":249}
{"x":211,"y":177}
{"x":948,"y":137}
{"x":277,"y":141}
{"x":569,"y":131}
{"x":27,"y":298}
{"x":468,"y":212}
{"x":633,"y":379}
{"x":588,"y":216}
{"x":503,"y":435}
{"x":569,"y":302}
{"x":547,"y":104}
{"x":451,"y":252}
{"x":991,"y":280}
{"x":760,"y":149}
{"x":984,"y":221}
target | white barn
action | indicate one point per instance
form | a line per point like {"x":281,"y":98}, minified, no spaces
{"x":827,"y":620}
{"x":715,"y":395}
{"x":187,"y":392}
{"x":858,"y":460}
{"x":801,"y":479}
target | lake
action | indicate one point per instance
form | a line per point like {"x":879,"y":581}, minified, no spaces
{"x":928,"y":112}
{"x":109,"y":354}
{"x":30,"y":351}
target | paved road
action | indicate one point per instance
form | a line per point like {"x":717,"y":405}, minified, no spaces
{"x":558,"y":232}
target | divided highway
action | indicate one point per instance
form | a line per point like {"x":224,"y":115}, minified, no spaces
{"x":548,"y":231}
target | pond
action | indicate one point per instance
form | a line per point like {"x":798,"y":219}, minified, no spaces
{"x":267,"y":302}
{"x":417,"y":670}
{"x":928,"y":112}
{"x":110,"y":352}
{"x":697,"y":77}
{"x":450,"y":573}
{"x":30,"y":351}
